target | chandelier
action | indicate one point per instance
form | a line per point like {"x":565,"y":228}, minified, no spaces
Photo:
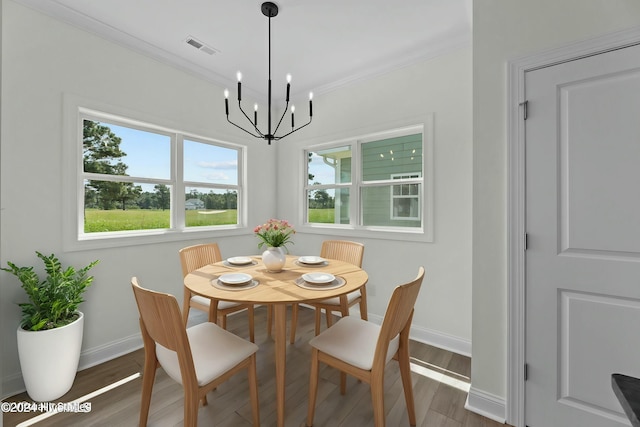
{"x":269,"y":10}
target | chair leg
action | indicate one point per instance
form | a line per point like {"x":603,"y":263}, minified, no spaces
{"x":148,"y":378}
{"x":377,"y":400}
{"x":294,"y":322}
{"x":191,"y":402}
{"x":186,"y":305}
{"x":213,"y":311}
{"x":405,"y":373}
{"x":313,"y":386}
{"x":253,"y":391}
{"x":343,"y":383}
{"x":251,"y":314}
{"x":223,"y":322}
{"x":318,"y":320}
{"x":364,"y":315}
{"x":329,"y":316}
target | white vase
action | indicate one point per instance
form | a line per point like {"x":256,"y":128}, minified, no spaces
{"x":274,"y":259}
{"x":49,"y":359}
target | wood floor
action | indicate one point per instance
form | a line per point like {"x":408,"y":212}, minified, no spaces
{"x":438,"y":403}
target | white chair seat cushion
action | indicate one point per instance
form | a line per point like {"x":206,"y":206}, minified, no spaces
{"x":221,"y":304}
{"x":336,"y":300}
{"x":214,"y":351}
{"x":353,"y":340}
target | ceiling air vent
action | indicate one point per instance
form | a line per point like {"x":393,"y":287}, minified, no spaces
{"x":201,"y":46}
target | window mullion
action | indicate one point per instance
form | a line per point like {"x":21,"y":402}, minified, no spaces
{"x":356,"y":180}
{"x":177,"y":177}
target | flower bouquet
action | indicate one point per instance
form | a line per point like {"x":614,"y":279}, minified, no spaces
{"x":275,"y":234}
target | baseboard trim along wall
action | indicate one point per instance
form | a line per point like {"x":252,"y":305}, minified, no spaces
{"x":432,"y":337}
{"x":486,"y":404}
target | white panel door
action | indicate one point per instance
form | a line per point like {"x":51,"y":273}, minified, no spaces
{"x":583,"y":228}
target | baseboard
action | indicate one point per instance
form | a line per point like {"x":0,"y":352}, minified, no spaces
{"x":435,"y":338}
{"x":14,"y":384}
{"x":486,"y":404}
{"x":110,"y":351}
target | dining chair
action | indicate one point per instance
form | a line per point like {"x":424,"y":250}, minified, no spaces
{"x":363,"y":349}
{"x":200,"y":357}
{"x":343,"y":250}
{"x":197,"y":256}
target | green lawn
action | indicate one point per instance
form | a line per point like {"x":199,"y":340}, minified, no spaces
{"x":148,"y":219}
{"x":325,"y":216}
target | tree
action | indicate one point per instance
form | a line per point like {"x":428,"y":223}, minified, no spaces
{"x":322,"y":199}
{"x":163,"y":196}
{"x":128,"y":193}
{"x":101,"y":153}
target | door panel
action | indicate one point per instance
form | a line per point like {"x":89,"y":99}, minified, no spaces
{"x":583,"y":225}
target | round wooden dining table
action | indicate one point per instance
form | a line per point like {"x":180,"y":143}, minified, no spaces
{"x":276,"y":289}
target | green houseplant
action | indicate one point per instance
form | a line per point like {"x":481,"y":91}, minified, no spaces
{"x":53,"y":302}
{"x":51,"y":326}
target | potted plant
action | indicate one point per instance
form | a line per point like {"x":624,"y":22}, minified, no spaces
{"x":50,"y":333}
{"x":275,"y":234}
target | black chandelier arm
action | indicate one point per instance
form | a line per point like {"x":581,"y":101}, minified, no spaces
{"x":294,"y":130}
{"x":243,"y":129}
{"x":286,"y":108}
{"x":255,"y":125}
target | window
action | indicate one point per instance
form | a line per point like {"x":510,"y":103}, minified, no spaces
{"x":139,"y":179}
{"x":405,"y":198}
{"x":371,"y":183}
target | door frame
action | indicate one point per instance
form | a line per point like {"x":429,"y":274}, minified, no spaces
{"x":516,"y":208}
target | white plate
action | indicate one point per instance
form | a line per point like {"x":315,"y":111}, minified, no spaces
{"x":252,"y":284}
{"x":311,"y":259}
{"x":235,"y":278}
{"x":318,"y":277}
{"x":339,"y":282}
{"x":239,"y":260}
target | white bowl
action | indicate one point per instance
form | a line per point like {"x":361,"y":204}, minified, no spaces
{"x":235,"y":278}
{"x":318,"y":278}
{"x":239,"y":260}
{"x":311,"y":259}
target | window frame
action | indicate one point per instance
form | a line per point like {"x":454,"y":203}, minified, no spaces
{"x":76,"y":111}
{"x":355,"y":228}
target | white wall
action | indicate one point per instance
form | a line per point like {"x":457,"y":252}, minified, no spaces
{"x":441,"y":86}
{"x":43,"y":59}
{"x":503,"y":31}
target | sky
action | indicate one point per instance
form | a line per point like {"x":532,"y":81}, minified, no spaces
{"x":149,"y":156}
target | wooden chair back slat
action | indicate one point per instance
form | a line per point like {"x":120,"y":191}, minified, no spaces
{"x":197,"y":256}
{"x":343,"y":250}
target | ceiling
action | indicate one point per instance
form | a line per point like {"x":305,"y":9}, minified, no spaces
{"x":323,"y":44}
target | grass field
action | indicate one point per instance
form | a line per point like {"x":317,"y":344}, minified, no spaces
{"x":148,"y":219}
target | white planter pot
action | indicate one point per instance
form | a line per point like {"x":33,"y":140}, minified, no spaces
{"x":49,"y":359}
{"x":274,"y":259}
